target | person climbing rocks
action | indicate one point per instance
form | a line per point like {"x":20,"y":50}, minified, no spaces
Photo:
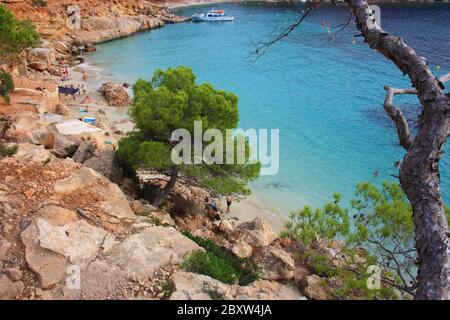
{"x":229,"y":201}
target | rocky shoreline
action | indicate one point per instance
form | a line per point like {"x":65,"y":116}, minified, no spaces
{"x":74,"y":226}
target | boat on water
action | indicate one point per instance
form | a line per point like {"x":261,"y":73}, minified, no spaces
{"x":212,"y":15}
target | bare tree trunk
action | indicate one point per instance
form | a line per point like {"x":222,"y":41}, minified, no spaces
{"x":419,"y":173}
{"x":167,"y":188}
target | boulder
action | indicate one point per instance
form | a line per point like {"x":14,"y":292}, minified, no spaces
{"x":41,"y":58}
{"x":78,"y":241}
{"x":84,"y":151}
{"x":38,"y":65}
{"x":192,"y":286}
{"x":64,"y":146}
{"x":275,"y":264}
{"x":27,"y":127}
{"x":50,"y":267}
{"x":241,"y":249}
{"x":31,"y":152}
{"x":256,"y":233}
{"x":142,"y":207}
{"x":315,"y":288}
{"x":300,"y":275}
{"x":226,"y":226}
{"x":115,"y":94}
{"x":4,"y":249}
{"x":110,"y":204}
{"x":161,"y":217}
{"x":105,"y":162}
{"x":9,"y":289}
{"x":15,"y":274}
{"x":61,"y":47}
{"x":141,"y":254}
{"x":267,"y":290}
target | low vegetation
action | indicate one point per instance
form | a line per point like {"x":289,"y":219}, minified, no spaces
{"x":8,"y":151}
{"x":15,"y":36}
{"x":377,"y":230}
{"x":6,"y":86}
{"x":219,"y":264}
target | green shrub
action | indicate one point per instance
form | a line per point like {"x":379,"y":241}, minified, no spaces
{"x":8,"y":151}
{"x":220,"y":264}
{"x":209,"y":264}
{"x":15,"y":36}
{"x":377,"y":229}
{"x":6,"y":86}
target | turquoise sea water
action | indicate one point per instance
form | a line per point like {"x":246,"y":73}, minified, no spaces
{"x":324,"y":95}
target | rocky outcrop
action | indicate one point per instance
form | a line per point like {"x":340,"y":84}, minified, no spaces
{"x":241,"y":249}
{"x":143,"y":253}
{"x":31,"y":152}
{"x":315,"y":288}
{"x":256,"y":233}
{"x":191,"y":286}
{"x":9,"y":289}
{"x":41,"y":59}
{"x":84,"y":151}
{"x":64,"y":146}
{"x":28,"y":128}
{"x":275,"y":264}
{"x":115,"y":94}
{"x":92,"y":21}
{"x":105,"y":162}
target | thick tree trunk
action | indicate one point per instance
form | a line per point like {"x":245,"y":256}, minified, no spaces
{"x":167,"y":188}
{"x":419,"y":174}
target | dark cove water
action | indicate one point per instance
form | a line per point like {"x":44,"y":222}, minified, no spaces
{"x":324,"y":95}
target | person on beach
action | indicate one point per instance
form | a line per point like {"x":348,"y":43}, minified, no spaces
{"x":84,"y":75}
{"x":229,"y":201}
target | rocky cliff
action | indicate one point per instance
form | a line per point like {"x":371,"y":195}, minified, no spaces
{"x":91,"y":21}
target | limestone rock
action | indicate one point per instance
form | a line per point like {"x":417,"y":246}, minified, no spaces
{"x":300,"y":275}
{"x":111,"y":200}
{"x":241,"y":249}
{"x":161,"y":217}
{"x":78,"y":241}
{"x":50,"y":267}
{"x":85,"y":151}
{"x":142,"y":253}
{"x":31,"y":152}
{"x":268,"y":290}
{"x":78,"y":179}
{"x":256,"y":233}
{"x":15,"y":274}
{"x":105,"y":162}
{"x":28,"y":128}
{"x":64,"y":146}
{"x":192,"y":286}
{"x":102,"y":279}
{"x":314,"y":288}
{"x":115,"y":94}
{"x":276,"y":264}
{"x":8,"y":289}
{"x":41,"y":58}
{"x":4,"y":249}
{"x":226,"y":226}
{"x":61,"y":47}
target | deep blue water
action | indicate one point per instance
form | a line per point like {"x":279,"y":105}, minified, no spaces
{"x":324,"y":95}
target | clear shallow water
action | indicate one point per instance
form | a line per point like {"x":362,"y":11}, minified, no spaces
{"x":325,"y":96}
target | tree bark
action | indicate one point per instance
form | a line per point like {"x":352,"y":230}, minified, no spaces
{"x":419,"y":173}
{"x":170,"y":185}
